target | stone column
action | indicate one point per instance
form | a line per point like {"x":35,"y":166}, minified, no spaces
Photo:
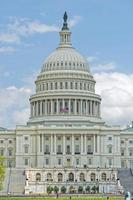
{"x":85,"y":144}
{"x":98,"y":144}
{"x":41,"y":108}
{"x":81,"y":144}
{"x":75,"y":107}
{"x":37,"y":108}
{"x":87,"y":112}
{"x":31,"y":110}
{"x":55,"y":143}
{"x":51,"y":107}
{"x":57,"y":104}
{"x":51,"y":143}
{"x":94,"y":143}
{"x":81,"y":107}
{"x":90,"y":107}
{"x":73,"y":147}
{"x":69,"y":106}
{"x":46,"y":107}
{"x":64,"y":145}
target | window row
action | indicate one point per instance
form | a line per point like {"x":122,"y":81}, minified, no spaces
{"x":65,"y":85}
{"x":71,"y":177}
{"x":8,"y":153}
{"x":59,"y":150}
{"x":130,"y":152}
{"x":9,"y":141}
{"x":63,"y":63}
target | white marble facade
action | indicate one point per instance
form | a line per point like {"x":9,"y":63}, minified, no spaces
{"x":65,"y":142}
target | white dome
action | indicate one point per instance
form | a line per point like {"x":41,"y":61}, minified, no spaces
{"x":65,"y":58}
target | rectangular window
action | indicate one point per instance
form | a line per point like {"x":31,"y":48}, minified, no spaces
{"x":90,"y":161}
{"x":26,"y":161}
{"x":47,"y":161}
{"x":122,"y":152}
{"x":110,"y":149}
{"x":25,"y":138}
{"x":59,"y":149}
{"x":1,"y":141}
{"x":10,"y":152}
{"x":59,"y":161}
{"x":77,"y":161}
{"x":26,"y":149}
{"x":77,"y":149}
{"x":109,"y":138}
{"x":110,"y":162}
{"x":130,"y":152}
{"x":1,"y":152}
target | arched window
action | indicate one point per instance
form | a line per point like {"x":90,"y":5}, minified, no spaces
{"x":103,"y":177}
{"x":60,"y":177}
{"x":49,"y":177}
{"x":71,"y":177}
{"x":10,"y":152}
{"x":38,"y":177}
{"x":82,"y":177}
{"x":93,"y":177}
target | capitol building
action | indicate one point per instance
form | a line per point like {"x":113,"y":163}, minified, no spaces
{"x":65,"y":142}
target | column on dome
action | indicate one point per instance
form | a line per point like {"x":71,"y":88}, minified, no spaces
{"x":90,"y":107}
{"x":63,"y":103}
{"x":69,"y":106}
{"x":87,"y":107}
{"x":31,"y":109}
{"x":75,"y":106}
{"x":57,"y":104}
{"x":41,"y":107}
{"x":51,"y":104}
{"x":81,"y":107}
{"x":36,"y":108}
{"x":46,"y":107}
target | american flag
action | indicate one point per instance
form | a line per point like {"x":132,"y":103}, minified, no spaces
{"x":66,"y":109}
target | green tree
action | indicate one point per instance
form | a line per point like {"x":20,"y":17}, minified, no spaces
{"x":2,"y":171}
{"x":87,"y":189}
{"x":80,"y":189}
{"x":56,"y":189}
{"x":63,"y":189}
{"x":93,"y":189}
{"x":49,"y":189}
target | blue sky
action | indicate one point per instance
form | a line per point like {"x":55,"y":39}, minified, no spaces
{"x":102,"y":31}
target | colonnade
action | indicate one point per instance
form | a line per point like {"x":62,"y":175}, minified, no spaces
{"x":65,"y":106}
{"x":83,"y":143}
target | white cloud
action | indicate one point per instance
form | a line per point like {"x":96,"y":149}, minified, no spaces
{"x":75,"y":20}
{"x":7,"y":49}
{"x":92,"y":59}
{"x":104,"y":67}
{"x":116,"y":90}
{"x":14,"y":107}
{"x":27,"y":27}
{"x":9,"y":38}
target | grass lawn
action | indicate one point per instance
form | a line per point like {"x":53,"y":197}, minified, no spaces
{"x":60,"y":198}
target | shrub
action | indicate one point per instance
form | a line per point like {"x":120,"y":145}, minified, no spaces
{"x":63,"y":189}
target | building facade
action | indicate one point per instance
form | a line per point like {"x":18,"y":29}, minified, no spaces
{"x":65,"y":142}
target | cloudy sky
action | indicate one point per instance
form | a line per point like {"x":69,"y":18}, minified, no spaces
{"x":102,"y":30}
